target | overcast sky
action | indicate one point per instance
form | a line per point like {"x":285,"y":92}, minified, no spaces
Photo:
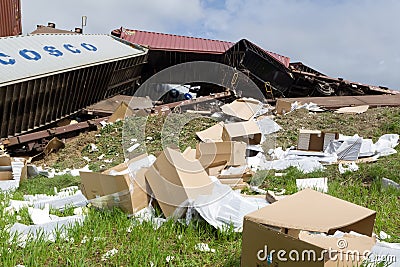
{"x":357,"y":40}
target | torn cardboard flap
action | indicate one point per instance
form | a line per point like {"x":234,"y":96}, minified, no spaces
{"x":314,"y":211}
{"x":173,"y":180}
{"x":244,"y":108}
{"x":353,"y":110}
{"x":121,"y":112}
{"x":215,"y":133}
{"x":221,"y":154}
{"x":189,"y":153}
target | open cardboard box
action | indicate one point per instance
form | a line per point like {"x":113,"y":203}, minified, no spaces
{"x":174,"y":179}
{"x":280,"y":227}
{"x":123,"y":191}
{"x":314,"y":140}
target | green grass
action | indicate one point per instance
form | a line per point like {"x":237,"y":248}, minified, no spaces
{"x":105,"y":230}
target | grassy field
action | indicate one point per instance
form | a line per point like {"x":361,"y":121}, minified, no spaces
{"x":142,"y":245}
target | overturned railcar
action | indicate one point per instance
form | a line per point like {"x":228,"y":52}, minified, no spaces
{"x":10,"y":18}
{"x":44,"y":78}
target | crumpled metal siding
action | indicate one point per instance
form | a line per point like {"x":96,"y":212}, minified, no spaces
{"x":10,"y":18}
{"x":26,"y":104}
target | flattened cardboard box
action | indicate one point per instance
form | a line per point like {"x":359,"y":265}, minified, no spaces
{"x":174,"y":179}
{"x":244,"y":108}
{"x":116,"y":190}
{"x":278,"y":227}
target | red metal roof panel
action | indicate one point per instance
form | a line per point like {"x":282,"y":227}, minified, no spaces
{"x":158,"y":41}
{"x":172,"y":42}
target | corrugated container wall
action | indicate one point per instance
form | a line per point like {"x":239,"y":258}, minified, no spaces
{"x":10,"y":18}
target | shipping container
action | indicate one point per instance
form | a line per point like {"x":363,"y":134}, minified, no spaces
{"x":10,"y":18}
{"x":46,"y":77}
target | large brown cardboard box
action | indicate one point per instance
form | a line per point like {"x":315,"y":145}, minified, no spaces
{"x":279,"y":227}
{"x":227,"y":153}
{"x":123,"y":191}
{"x":174,"y":179}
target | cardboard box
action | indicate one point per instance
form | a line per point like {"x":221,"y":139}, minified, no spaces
{"x":5,"y":163}
{"x":247,"y":132}
{"x":283,"y":106}
{"x":221,"y":154}
{"x":244,"y":108}
{"x":174,"y":179}
{"x":314,"y":140}
{"x":279,"y":227}
{"x":123,"y":191}
{"x":16,"y":168}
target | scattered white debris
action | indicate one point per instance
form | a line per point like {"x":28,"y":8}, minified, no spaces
{"x":146,"y":215}
{"x":204,"y":247}
{"x":387,"y":183}
{"x":108,"y":160}
{"x":93,"y":148}
{"x":87,"y":159}
{"x":104,"y":123}
{"x":383,"y":235}
{"x":22,"y":233}
{"x":130,"y":149}
{"x":149,"y":138}
{"x":319,"y":184}
{"x":348,"y":167}
{"x":109,"y":254}
{"x":225,"y":207}
{"x":101,"y":157}
{"x":169,"y":258}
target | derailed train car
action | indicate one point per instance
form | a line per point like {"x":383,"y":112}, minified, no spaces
{"x":10,"y":18}
{"x":44,"y":78}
